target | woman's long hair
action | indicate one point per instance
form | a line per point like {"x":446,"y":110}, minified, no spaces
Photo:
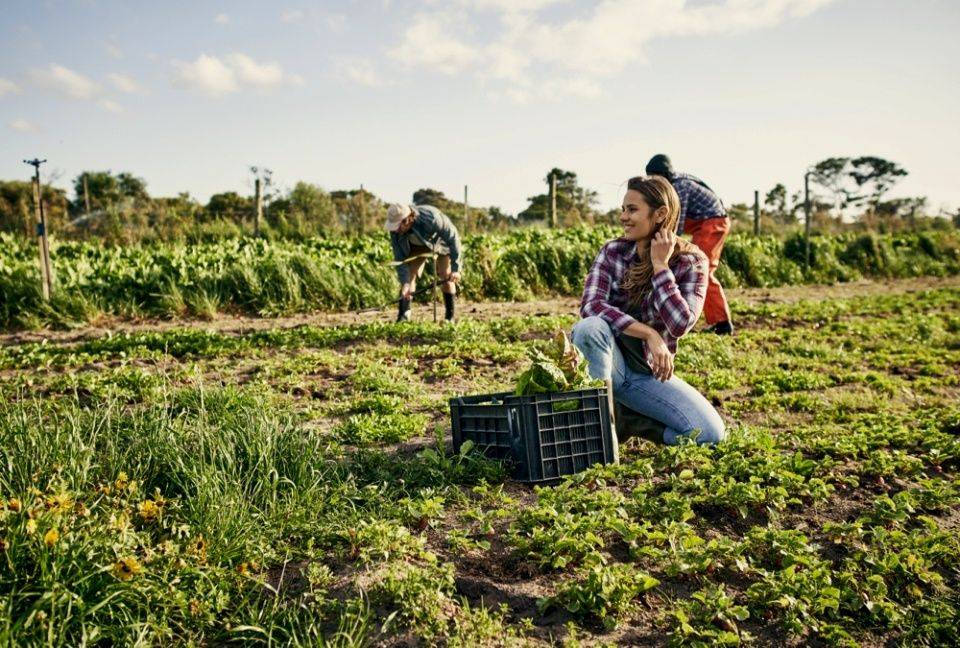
{"x":657,"y":192}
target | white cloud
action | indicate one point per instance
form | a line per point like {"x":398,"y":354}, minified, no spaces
{"x":8,"y":87}
{"x":215,"y":77}
{"x":23,"y":126}
{"x":65,"y":81}
{"x":359,"y":71}
{"x":428,"y":42}
{"x":575,"y":53}
{"x":74,"y":85}
{"x":258,"y":74}
{"x":208,"y":74}
{"x":124,"y":83}
{"x":222,"y":19}
{"x":291,"y":15}
{"x":110,"y":106}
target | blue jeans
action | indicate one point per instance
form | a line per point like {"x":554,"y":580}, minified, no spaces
{"x":680,"y":407}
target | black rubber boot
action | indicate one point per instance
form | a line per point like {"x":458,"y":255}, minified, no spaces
{"x":448,"y":306}
{"x":721,"y":328}
{"x":404,"y":314}
{"x":631,"y":423}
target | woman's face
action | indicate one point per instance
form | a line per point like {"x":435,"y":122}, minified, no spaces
{"x":639,"y":221}
{"x":405,"y":224}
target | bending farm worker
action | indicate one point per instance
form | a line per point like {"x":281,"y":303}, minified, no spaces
{"x":704,"y":218}
{"x":416,"y":233}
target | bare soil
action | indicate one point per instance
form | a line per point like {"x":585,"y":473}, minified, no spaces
{"x":233,"y":324}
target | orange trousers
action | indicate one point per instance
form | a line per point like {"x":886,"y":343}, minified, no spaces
{"x":709,"y":235}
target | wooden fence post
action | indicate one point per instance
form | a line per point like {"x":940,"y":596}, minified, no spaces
{"x":756,"y":212}
{"x":553,"y":200}
{"x":258,"y":216}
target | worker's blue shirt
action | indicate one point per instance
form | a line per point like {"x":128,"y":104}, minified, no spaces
{"x":437,"y":232}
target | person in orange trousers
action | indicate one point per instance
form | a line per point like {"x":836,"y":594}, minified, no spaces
{"x":704,"y":218}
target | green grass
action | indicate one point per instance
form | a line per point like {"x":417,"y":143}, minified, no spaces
{"x":260,"y":277}
{"x":201,"y":488}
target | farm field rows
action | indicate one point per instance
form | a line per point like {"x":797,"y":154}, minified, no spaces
{"x":295,"y":485}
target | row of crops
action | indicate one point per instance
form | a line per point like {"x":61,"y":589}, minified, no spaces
{"x":256,"y":276}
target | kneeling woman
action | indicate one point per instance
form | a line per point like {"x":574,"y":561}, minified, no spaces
{"x":645,"y":290}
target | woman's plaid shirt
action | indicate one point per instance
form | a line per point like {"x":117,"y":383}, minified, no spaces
{"x":671,"y":308}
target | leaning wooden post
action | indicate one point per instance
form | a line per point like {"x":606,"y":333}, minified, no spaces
{"x":466,"y":212}
{"x":41,"y":235}
{"x":554,"y":221}
{"x":756,"y":213}
{"x":258,"y":216}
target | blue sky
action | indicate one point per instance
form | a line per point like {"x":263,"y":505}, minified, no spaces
{"x":403,"y":94}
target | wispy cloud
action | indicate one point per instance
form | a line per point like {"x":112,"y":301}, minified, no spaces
{"x":221,"y":19}
{"x":8,"y":87}
{"x":207,"y":74}
{"x":360,"y":71}
{"x":429,"y":42}
{"x":65,"y":81}
{"x":214,"y":76}
{"x":124,"y":83}
{"x":23,"y":126}
{"x":110,"y":106}
{"x":74,"y":85}
{"x":576,"y":53}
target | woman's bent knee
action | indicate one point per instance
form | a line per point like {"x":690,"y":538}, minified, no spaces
{"x":591,"y":329}
{"x":712,"y":434}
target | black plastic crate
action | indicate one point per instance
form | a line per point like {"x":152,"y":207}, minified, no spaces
{"x":545,"y":435}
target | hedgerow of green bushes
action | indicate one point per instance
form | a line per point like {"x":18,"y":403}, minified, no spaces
{"x":257,"y":276}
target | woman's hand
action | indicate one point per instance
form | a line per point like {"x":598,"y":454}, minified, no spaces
{"x":661,"y":360}
{"x":661,"y":247}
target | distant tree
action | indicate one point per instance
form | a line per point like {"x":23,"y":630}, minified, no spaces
{"x":832,"y":174}
{"x":17,"y":213}
{"x":107,"y":190}
{"x":575,"y":204}
{"x":874,"y":176}
{"x":310,"y":206}
{"x":433,"y":197}
{"x":776,"y":205}
{"x":229,"y":205}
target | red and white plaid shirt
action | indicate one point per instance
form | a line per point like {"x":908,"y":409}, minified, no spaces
{"x":672,"y":307}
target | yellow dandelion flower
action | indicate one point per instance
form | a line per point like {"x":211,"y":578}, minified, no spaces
{"x":242,"y":568}
{"x":4,"y":545}
{"x":122,"y":481}
{"x":61,"y":503}
{"x":14,"y":505}
{"x":148,"y":510}
{"x":127,"y":568}
{"x":31,"y":526}
{"x":50,"y":537}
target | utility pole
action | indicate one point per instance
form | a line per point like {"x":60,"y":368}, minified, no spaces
{"x":756,"y":213}
{"x":466,"y":210}
{"x":553,"y":200}
{"x":258,"y":216}
{"x":806,"y":214}
{"x":363,"y":210}
{"x":46,"y":272}
{"x":86,"y":195}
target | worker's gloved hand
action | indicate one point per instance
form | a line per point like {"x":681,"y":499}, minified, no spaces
{"x":453,"y":277}
{"x":406,"y":291}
